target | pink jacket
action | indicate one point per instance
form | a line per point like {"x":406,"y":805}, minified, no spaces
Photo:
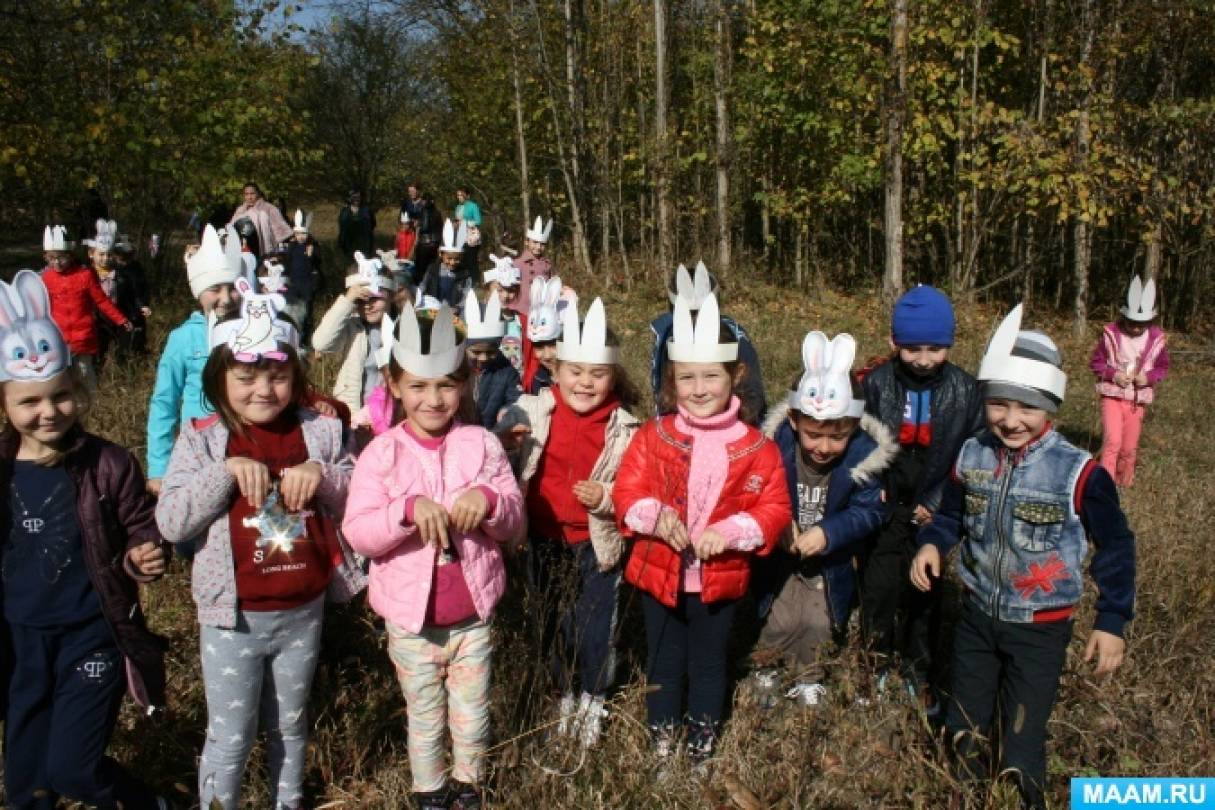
{"x":1154,"y":363}
{"x":390,"y":472}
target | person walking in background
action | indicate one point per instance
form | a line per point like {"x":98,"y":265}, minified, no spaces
{"x":268,"y":222}
{"x":429,"y":224}
{"x":356,"y":227}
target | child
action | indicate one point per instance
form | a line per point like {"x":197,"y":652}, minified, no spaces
{"x":134,"y":294}
{"x":443,"y":278}
{"x":495,"y":382}
{"x":406,"y":237}
{"x":76,"y":297}
{"x":430,"y":501}
{"x":543,"y":332}
{"x":1021,"y":501}
{"x":80,"y":536}
{"x":1130,"y":359}
{"x":126,"y":289}
{"x":303,"y":269}
{"x":177,"y":394}
{"x":700,"y":490}
{"x":263,"y":483}
{"x":531,"y":262}
{"x":351,"y":328}
{"x":574,"y":544}
{"x":681,"y":286}
{"x":932,"y":406}
{"x":834,"y":456}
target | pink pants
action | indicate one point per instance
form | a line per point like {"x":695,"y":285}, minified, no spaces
{"x":1121,"y":424}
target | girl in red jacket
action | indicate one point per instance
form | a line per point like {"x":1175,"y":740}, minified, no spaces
{"x":700,"y":490}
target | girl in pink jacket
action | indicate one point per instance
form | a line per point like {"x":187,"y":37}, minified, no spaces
{"x":430,"y":500}
{"x":1129,"y":360}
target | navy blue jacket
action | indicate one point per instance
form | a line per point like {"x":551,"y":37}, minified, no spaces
{"x":855,"y":509}
{"x":497,"y":387}
{"x":750,"y":390}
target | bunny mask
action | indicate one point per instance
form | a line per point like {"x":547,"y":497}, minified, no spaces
{"x":1000,"y":365}
{"x":446,"y":351}
{"x":587,"y":343}
{"x":692,"y":289}
{"x":825,"y":389}
{"x":1140,"y":301}
{"x":107,"y":235}
{"x":487,"y":328}
{"x":543,"y":319}
{"x":258,"y":332}
{"x":369,"y":276}
{"x":698,"y":344}
{"x":274,"y":281}
{"x":31,"y":345}
{"x":504,"y":272}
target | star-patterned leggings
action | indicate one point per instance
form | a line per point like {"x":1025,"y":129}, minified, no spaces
{"x":261,"y":668}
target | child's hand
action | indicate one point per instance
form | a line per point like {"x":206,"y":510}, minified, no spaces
{"x":927,"y":561}
{"x":1109,"y":650}
{"x":431,"y":519}
{"x":359,"y":292}
{"x":921,"y":516}
{"x":153,"y":487}
{"x":299,"y":484}
{"x":1141,"y":380}
{"x":128,"y":327}
{"x":589,"y":493}
{"x":148,"y":559}
{"x":469,"y":510}
{"x":252,"y":478}
{"x":671,"y":530}
{"x":811,"y":542}
{"x":1121,"y":379}
{"x":145,"y":311}
{"x":711,"y":544}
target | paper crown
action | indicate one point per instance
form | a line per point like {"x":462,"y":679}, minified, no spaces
{"x":1000,"y":365}
{"x":543,"y":317}
{"x":825,"y":389}
{"x":539,"y":231}
{"x":258,"y":331}
{"x":504,"y":272}
{"x":454,"y":238}
{"x":692,"y":289}
{"x":388,"y":339}
{"x":446,"y":352}
{"x":107,"y":235}
{"x":1140,"y":301}
{"x":586,"y":343}
{"x":369,"y":275}
{"x":699,"y":343}
{"x":489,"y":327}
{"x":274,"y":281}
{"x":301,"y":222}
{"x":54,"y":237}
{"x":31,"y":345}
{"x":214,"y":262}
{"x":405,"y":217}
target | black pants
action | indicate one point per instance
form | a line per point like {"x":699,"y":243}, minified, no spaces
{"x":898,"y":618}
{"x":578,"y":607}
{"x":1017,"y":666}
{"x":67,"y":685}
{"x":423,"y":257}
{"x":688,"y":640}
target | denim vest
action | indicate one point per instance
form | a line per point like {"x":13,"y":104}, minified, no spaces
{"x":1024,"y":545}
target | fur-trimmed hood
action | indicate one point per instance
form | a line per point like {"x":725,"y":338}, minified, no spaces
{"x":861,"y":468}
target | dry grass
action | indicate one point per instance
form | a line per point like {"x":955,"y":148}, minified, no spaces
{"x":1154,"y":718}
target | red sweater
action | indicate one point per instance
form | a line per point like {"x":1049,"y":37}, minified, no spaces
{"x":270,"y":576}
{"x":405,"y":240}
{"x":76,"y":297}
{"x":574,"y":445}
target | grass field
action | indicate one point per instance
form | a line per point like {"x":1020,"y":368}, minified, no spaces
{"x":1155,"y":717}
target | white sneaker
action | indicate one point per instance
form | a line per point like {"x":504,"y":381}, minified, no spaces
{"x":591,"y":712}
{"x":567,"y":714}
{"x":807,"y":694}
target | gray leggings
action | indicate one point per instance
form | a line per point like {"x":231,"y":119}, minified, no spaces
{"x":263,"y":668}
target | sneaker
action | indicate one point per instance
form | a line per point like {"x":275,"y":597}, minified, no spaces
{"x":465,"y":796}
{"x":807,"y":694}
{"x":433,"y":800}
{"x":662,"y":742}
{"x":567,"y":714}
{"x":702,"y":739}
{"x":764,"y":685}
{"x":591,"y":712}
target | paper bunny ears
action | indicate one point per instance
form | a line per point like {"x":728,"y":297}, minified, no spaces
{"x":258,"y":332}
{"x":504,"y":272}
{"x":31,"y":345}
{"x":404,"y":341}
{"x":454,"y":239}
{"x":107,"y":235}
{"x":699,"y":343}
{"x":489,"y":327}
{"x":692,"y":289}
{"x":1140,"y":301}
{"x":369,"y":275}
{"x":1006,"y":363}
{"x":586,"y":343}
{"x":301,"y":221}
{"x":825,"y":389}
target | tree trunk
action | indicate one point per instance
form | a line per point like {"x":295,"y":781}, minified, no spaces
{"x":520,"y":136}
{"x":896,"y":102}
{"x":721,"y":83}
{"x":1082,"y":245}
{"x":661,"y":138}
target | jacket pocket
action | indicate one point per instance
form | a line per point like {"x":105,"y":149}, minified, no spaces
{"x":976,"y":514}
{"x":1038,"y":525}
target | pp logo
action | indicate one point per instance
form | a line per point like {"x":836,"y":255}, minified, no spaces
{"x":95,"y":668}
{"x":33,"y":525}
{"x":755,"y":484}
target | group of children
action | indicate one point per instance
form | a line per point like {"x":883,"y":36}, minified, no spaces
{"x":447,"y":450}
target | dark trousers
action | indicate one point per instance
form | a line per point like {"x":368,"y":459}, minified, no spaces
{"x":423,"y":257}
{"x":67,"y":685}
{"x":689,"y":641}
{"x":1017,"y":666}
{"x":898,"y":619}
{"x":578,"y":605}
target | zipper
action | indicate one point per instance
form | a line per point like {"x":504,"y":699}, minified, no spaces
{"x":1001,"y":538}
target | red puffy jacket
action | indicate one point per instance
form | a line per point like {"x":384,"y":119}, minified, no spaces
{"x":76,"y":297}
{"x":656,"y":465}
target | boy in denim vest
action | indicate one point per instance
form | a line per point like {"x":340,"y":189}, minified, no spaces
{"x":1023,"y":501}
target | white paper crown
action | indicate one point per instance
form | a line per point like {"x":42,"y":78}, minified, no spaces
{"x":54,"y":237}
{"x":489,"y":327}
{"x":504,"y":272}
{"x":274,"y":281}
{"x":539,"y":231}
{"x":212,"y":264}
{"x":825,"y":389}
{"x":1140,"y":301}
{"x":698,"y":344}
{"x":301,"y":222}
{"x":369,"y":275}
{"x":454,"y":238}
{"x":586,"y":343}
{"x":694,"y":290}
{"x":543,"y":317}
{"x":388,"y":339}
{"x":445,"y":355}
{"x":1000,"y":365}
{"x":404,"y":217}
{"x":107,"y":235}
{"x":31,"y":345}
{"x":258,"y":332}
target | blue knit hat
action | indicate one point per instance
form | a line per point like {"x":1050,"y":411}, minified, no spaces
{"x":923,"y":316}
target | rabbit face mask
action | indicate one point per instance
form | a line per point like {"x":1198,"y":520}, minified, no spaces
{"x":258,"y":332}
{"x":825,"y":389}
{"x":31,"y":345}
{"x":543,"y":319}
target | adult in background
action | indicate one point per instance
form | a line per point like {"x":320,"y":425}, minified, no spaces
{"x":466,"y":210}
{"x":430,"y":232}
{"x":356,"y":227}
{"x":271,"y":227}
{"x":411,"y":206}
